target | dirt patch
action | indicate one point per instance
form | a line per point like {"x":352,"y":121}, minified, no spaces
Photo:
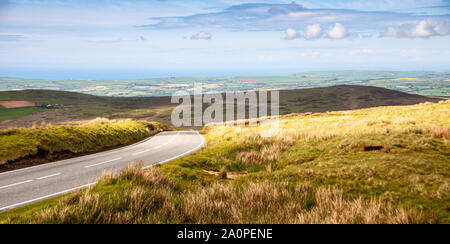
{"x":17,"y":104}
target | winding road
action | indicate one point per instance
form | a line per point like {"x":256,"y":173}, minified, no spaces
{"x":33,"y":184}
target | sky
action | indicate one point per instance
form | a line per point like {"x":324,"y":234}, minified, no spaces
{"x":114,"y":39}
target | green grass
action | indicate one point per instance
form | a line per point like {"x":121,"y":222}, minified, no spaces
{"x":377,"y":165}
{"x":14,"y":113}
{"x":48,"y":141}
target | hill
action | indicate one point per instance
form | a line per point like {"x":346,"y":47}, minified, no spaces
{"x":375,"y":165}
{"x":344,"y":97}
{"x":77,"y":106}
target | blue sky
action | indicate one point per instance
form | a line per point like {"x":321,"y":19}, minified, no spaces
{"x":113,"y":39}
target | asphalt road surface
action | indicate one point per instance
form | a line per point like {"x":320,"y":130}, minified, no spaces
{"x":33,"y":184}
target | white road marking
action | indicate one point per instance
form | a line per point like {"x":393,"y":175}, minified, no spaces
{"x":181,"y":155}
{"x":45,"y":197}
{"x":83,"y":157}
{"x":109,"y":161}
{"x":84,"y":186}
{"x":135,"y":154}
{"x":48,"y":176}
{"x":168,"y":142}
{"x":15,"y":184}
{"x":162,"y":145}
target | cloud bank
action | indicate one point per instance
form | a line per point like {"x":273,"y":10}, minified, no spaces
{"x":424,"y":29}
{"x":280,"y":17}
{"x":315,"y":31}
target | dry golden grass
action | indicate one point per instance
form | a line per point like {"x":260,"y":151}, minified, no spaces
{"x":268,"y":153}
{"x":278,"y":203}
{"x":155,"y":199}
{"x":440,"y":132}
{"x":431,"y":117}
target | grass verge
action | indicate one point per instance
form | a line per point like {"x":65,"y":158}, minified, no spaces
{"x":49,"y":142}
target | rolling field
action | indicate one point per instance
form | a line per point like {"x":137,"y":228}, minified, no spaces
{"x":79,"y":107}
{"x":375,"y":165}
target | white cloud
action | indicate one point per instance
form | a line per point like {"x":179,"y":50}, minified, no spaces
{"x":427,"y":28}
{"x":313,"y":31}
{"x":424,"y":29}
{"x":337,"y":32}
{"x":291,"y":34}
{"x":201,"y":36}
{"x":390,"y":32}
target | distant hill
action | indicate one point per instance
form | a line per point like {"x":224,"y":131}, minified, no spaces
{"x":77,"y":106}
{"x":344,"y":97}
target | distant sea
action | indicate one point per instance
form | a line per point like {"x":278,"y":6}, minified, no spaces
{"x":114,"y":74}
{"x":67,"y":74}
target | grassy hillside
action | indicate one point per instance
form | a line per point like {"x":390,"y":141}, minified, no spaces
{"x":79,"y":106}
{"x":47,"y":143}
{"x":344,"y":97}
{"x":87,"y":105}
{"x":377,"y":165}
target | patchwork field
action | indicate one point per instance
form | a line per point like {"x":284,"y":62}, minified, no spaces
{"x":422,"y":83}
{"x":17,"y":109}
{"x":17,"y":104}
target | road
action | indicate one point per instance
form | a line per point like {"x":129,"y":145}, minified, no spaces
{"x":33,"y":184}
